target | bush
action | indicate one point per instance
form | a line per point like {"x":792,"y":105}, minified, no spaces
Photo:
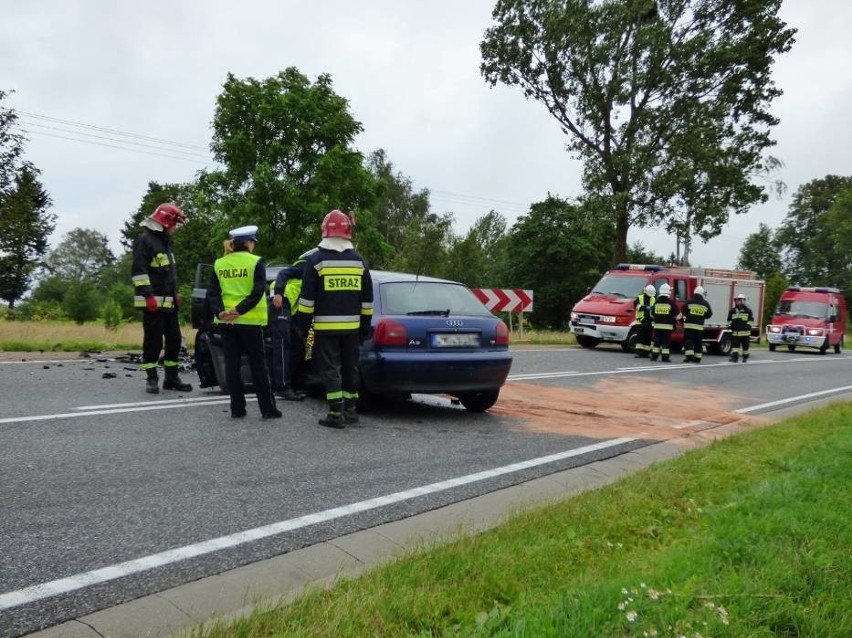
{"x":81,"y":302}
{"x":31,"y":310}
{"x":112,"y":314}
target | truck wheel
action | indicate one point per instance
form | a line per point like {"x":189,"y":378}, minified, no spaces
{"x":629,"y":344}
{"x":838,"y":346}
{"x":723,"y":346}
{"x":771,"y":347}
{"x":791,"y":347}
{"x":824,"y":347}
{"x":587,"y":342}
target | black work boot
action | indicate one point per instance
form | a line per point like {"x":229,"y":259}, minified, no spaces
{"x":734,"y":357}
{"x":334,"y":418}
{"x":745,"y":357}
{"x":350,"y":416}
{"x":688,"y":358}
{"x":173,"y":381}
{"x":152,"y":383}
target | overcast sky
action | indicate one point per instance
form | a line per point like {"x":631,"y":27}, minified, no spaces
{"x":410,"y":70}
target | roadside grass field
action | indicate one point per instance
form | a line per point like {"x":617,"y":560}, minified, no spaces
{"x":67,"y":336}
{"x":749,"y":536}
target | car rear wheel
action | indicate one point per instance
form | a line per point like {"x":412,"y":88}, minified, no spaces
{"x":587,"y":342}
{"x":479,"y":401}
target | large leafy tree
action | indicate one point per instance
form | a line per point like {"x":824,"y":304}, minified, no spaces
{"x":665,"y":101}
{"x":477,"y":257}
{"x":558,"y":250}
{"x":25,"y":225}
{"x":760,"y":253}
{"x":82,"y":255}
{"x":286,"y":145}
{"x":814,"y":235}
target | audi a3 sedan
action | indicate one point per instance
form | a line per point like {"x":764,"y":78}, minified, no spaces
{"x":429,"y":336}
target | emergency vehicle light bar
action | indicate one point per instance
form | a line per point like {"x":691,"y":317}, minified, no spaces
{"x":650,"y":267}
{"x":819,"y":289}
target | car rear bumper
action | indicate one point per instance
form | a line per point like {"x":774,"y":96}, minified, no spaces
{"x":444,"y":372}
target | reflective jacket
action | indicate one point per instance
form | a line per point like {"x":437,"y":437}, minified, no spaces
{"x":740,"y":321}
{"x":239,"y":282}
{"x":643,"y":303}
{"x":695,"y":312}
{"x":153,"y":270}
{"x":665,"y":313}
{"x":337,"y":292}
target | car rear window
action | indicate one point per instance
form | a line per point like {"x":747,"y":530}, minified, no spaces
{"x":425,"y":297}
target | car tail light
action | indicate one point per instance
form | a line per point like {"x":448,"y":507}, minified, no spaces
{"x":389,"y":333}
{"x":502,"y":336}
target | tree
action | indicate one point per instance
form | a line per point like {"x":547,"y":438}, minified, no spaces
{"x":476,"y":258}
{"x":638,"y":254}
{"x":665,"y":101}
{"x":775,"y":287}
{"x":558,"y":251}
{"x":82,"y":302}
{"x":81,"y":256}
{"x":286,"y":145}
{"x":811,"y":236}
{"x":25,"y":226}
{"x":424,"y":245}
{"x":760,"y":253}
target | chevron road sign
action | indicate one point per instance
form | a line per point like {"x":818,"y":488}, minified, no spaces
{"x":505,"y":300}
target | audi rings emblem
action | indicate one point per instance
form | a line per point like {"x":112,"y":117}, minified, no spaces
{"x":455,"y":323}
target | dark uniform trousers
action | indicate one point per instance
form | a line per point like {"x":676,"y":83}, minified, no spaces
{"x":338,"y":372}
{"x":236,"y":339}
{"x":157,"y":326}
{"x":644,"y":335}
{"x":282,"y":346}
{"x":693,"y":343}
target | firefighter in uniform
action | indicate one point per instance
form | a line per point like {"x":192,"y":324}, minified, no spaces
{"x":665,"y":314}
{"x":237,"y":295}
{"x":337,"y":294}
{"x":643,"y":304}
{"x":740,"y":320}
{"x":695,"y":312}
{"x":155,"y":293}
{"x":288,"y":346}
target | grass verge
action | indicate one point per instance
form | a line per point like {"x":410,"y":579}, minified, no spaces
{"x":749,"y":536}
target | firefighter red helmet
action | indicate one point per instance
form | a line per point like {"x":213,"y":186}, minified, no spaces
{"x":337,"y":224}
{"x":168,"y":216}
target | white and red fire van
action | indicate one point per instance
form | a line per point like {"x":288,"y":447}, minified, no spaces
{"x":810,"y":318}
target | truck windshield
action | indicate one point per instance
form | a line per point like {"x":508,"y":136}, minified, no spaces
{"x":620,"y":286}
{"x":810,"y":309}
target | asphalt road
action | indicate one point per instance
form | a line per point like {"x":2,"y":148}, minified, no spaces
{"x":109,"y":494}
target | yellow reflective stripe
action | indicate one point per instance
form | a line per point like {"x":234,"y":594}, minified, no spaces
{"x":141,"y":280}
{"x":692,"y":326}
{"x":366,"y":312}
{"x":160,"y":260}
{"x":333,"y":325}
{"x":340,"y":270}
{"x":305,"y":308}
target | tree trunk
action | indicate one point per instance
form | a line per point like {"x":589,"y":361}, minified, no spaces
{"x":621,"y":227}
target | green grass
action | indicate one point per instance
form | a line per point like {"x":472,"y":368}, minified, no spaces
{"x":750,"y":536}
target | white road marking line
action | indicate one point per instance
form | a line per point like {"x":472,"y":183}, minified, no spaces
{"x":207,"y":399}
{"x":77,"y":415}
{"x":79,"y":581}
{"x":801,"y":397}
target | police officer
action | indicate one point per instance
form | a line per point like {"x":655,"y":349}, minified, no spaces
{"x":337,"y":293}
{"x":665,"y":315}
{"x":288,"y":348}
{"x":695,"y":312}
{"x":644,"y":321}
{"x":740,"y":320}
{"x":237,"y":295}
{"x":155,"y":293}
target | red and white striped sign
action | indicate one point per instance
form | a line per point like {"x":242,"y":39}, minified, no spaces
{"x":505,"y":300}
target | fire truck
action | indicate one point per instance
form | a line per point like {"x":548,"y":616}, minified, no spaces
{"x":607,"y":313}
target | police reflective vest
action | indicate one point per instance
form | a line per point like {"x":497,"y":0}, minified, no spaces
{"x":695,"y":312}
{"x":235,"y":272}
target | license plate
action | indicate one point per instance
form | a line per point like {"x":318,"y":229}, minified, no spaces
{"x":578,"y":331}
{"x":455,"y":340}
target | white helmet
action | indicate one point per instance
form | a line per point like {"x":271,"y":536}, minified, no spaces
{"x":650,"y":290}
{"x":739,"y":297}
{"x":665,"y":290}
{"x":699,"y":290}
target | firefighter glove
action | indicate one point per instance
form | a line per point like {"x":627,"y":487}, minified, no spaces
{"x":151,"y":304}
